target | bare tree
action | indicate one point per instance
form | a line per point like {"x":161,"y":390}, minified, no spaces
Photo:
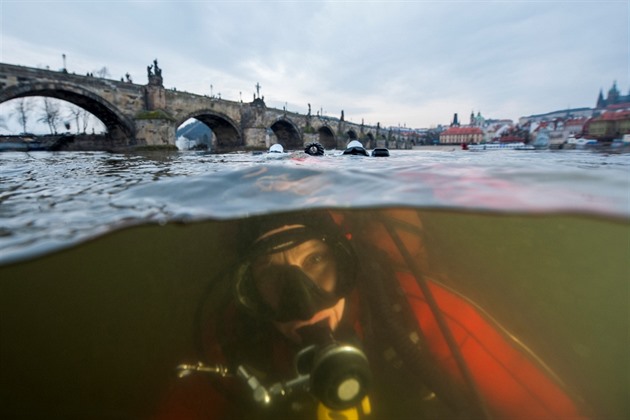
{"x":22,"y":109}
{"x":75,"y":112}
{"x":103,"y":72}
{"x":85,"y":115}
{"x":51,"y":114}
{"x":87,"y":120}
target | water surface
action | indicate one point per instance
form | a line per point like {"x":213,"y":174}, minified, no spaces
{"x":50,"y":200}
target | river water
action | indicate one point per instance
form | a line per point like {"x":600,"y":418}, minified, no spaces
{"x":52,"y":200}
{"x":103,"y":257}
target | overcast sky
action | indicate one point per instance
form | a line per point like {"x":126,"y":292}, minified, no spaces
{"x":412,"y":63}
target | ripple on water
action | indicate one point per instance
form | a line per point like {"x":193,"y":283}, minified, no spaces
{"x":63,"y":198}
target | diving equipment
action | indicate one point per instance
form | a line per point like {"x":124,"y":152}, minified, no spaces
{"x":314,"y":149}
{"x":336,"y":374}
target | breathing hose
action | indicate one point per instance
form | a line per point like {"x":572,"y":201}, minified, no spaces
{"x":480,"y":407}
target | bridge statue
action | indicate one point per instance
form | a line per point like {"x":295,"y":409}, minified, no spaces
{"x":155,"y":79}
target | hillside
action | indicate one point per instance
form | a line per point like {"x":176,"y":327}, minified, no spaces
{"x":195,"y":131}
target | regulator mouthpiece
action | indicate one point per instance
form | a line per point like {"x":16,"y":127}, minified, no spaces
{"x":340,"y":377}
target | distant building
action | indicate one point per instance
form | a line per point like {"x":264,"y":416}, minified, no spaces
{"x":504,"y":121}
{"x":554,"y":115}
{"x":459,"y":135}
{"x":608,"y":120}
{"x":611,"y":119}
{"x":608,"y":126}
{"x":573,"y":127}
{"x":540,"y":136}
{"x":614,"y":101}
{"x":479,"y":130}
{"x":455,"y":122}
{"x":477,"y":120}
{"x":551,"y":133}
{"x":494,"y":130}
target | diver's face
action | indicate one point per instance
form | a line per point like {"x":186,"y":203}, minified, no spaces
{"x":317,"y":261}
{"x":313,"y":257}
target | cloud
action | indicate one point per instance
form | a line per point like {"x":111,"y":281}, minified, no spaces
{"x":414,"y":62}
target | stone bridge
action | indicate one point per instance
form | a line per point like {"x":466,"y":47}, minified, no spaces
{"x":148,"y":115}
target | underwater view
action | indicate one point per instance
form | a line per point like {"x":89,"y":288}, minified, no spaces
{"x":427,"y":284}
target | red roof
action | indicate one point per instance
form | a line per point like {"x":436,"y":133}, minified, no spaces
{"x":614,"y":115}
{"x":462,"y":130}
{"x":576,"y":121}
{"x":622,"y":105}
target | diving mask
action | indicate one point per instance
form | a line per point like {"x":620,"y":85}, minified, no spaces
{"x":294,"y":272}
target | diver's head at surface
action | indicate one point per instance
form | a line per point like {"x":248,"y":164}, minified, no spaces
{"x":297,"y":271}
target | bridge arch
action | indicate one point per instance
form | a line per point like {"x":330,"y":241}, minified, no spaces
{"x":352,"y":135}
{"x":327,"y":137}
{"x":369,"y":140}
{"x":287,"y":133}
{"x":118,"y":126}
{"x":227,"y":136}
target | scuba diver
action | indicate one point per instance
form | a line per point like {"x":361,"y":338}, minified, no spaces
{"x":330,"y":318}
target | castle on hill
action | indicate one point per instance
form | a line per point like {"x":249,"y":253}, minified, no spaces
{"x":614,"y":100}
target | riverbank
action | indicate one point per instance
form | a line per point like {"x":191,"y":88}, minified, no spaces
{"x":438,"y":147}
{"x":61,"y":142}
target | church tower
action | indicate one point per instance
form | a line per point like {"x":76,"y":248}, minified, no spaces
{"x":613,"y":94}
{"x":455,"y":122}
{"x":600,"y":100}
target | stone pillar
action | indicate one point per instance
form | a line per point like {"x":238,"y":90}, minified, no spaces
{"x":255,"y":138}
{"x":159,"y":132}
{"x":154,"y":126}
{"x":155,"y":97}
{"x":311,"y":138}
